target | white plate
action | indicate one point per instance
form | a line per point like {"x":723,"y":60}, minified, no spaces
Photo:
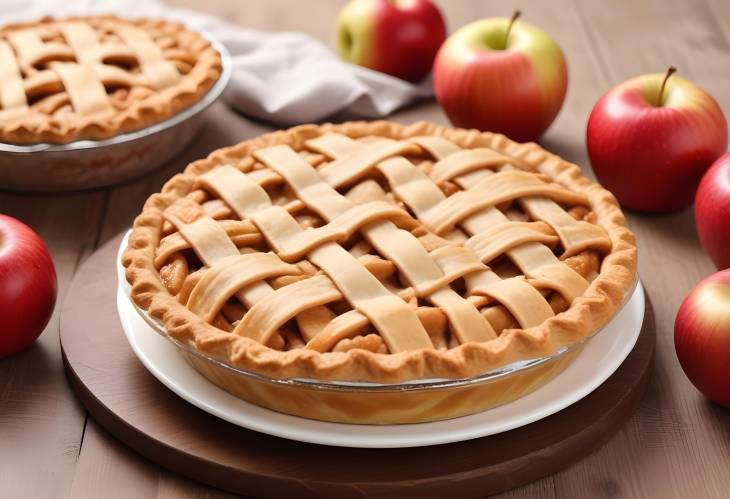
{"x":601,"y":356}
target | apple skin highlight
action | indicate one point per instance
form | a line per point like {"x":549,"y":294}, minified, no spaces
{"x":702,"y":337}
{"x":652,"y":155}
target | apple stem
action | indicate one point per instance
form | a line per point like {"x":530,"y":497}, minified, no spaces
{"x":670,"y":72}
{"x":509,"y":26}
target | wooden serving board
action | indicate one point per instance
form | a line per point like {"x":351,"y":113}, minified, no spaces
{"x":130,"y":403}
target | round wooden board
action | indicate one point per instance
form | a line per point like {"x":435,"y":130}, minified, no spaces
{"x":129,"y":402}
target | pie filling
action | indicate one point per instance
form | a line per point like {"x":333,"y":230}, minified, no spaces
{"x":377,"y":244}
{"x":92,"y":77}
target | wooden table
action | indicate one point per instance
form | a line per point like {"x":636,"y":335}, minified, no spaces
{"x":676,"y":445}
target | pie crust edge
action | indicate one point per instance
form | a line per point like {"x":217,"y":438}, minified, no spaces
{"x":586,"y":315}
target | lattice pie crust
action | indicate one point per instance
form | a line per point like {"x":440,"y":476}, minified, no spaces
{"x":96,"y":77}
{"x":380,"y":252}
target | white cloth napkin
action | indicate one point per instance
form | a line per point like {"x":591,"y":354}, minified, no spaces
{"x":282,"y":78}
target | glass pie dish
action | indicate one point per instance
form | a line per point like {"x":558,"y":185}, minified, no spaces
{"x":88,"y":164}
{"x":413,"y":401}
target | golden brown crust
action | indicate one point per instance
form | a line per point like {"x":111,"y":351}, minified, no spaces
{"x":586,"y":315}
{"x":34,"y":126}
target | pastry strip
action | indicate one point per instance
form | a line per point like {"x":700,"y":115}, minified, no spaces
{"x":237,"y":231}
{"x":536,"y":261}
{"x":421,"y":194}
{"x":12,"y":92}
{"x":575,"y":235}
{"x":341,"y":228}
{"x":510,"y":292}
{"x":496,"y":240}
{"x":490,"y":191}
{"x":84,"y":88}
{"x":411,"y":184}
{"x":231,"y":274}
{"x":343,"y":326}
{"x":438,"y":147}
{"x":267,"y":315}
{"x":82,"y":39}
{"x":347,"y":170}
{"x":396,"y":322}
{"x":465,"y":161}
{"x":31,"y":49}
{"x":399,"y":246}
{"x":211,"y":244}
{"x":160,"y":72}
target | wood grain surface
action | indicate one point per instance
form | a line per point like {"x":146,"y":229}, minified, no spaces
{"x":677,"y":444}
{"x":125,"y":399}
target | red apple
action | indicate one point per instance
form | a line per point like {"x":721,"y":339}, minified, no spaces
{"x":702,"y":337}
{"x":651,"y":138}
{"x":501,"y":75}
{"x":398,"y":37}
{"x":712,"y":211}
{"x":27,"y":286}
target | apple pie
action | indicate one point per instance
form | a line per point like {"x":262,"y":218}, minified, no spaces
{"x":97,"y":77}
{"x":378,"y":252}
